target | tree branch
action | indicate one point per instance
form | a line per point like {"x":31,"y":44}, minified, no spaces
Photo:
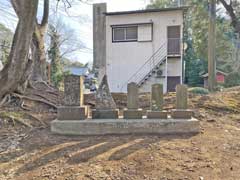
{"x":230,"y":10}
{"x":45,"y":13}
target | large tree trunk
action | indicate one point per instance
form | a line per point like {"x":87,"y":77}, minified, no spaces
{"x":14,"y":73}
{"x":39,"y":68}
{"x":39,"y":56}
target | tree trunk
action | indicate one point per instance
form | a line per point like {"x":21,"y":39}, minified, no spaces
{"x":14,"y":72}
{"x":39,"y":56}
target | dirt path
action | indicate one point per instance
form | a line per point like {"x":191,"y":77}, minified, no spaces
{"x":214,"y":154}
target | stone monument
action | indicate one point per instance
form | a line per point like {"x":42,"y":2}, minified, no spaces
{"x":105,"y":105}
{"x":132,"y":111}
{"x":73,"y":108}
{"x":156,"y":111}
{"x":182,"y":111}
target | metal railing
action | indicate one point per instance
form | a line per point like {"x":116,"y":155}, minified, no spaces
{"x":146,"y":69}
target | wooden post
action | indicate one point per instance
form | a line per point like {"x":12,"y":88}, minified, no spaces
{"x":211,"y":46}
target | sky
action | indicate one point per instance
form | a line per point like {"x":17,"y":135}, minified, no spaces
{"x":78,"y":17}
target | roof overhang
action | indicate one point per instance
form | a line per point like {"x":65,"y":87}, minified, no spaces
{"x":183,"y":8}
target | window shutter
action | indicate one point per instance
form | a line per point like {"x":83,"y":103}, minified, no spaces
{"x":145,"y":32}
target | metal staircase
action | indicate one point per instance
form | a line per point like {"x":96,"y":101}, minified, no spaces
{"x":149,"y":68}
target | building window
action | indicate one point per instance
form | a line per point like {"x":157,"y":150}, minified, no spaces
{"x":125,"y":34}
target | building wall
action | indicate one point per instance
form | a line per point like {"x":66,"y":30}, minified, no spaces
{"x":124,"y":58}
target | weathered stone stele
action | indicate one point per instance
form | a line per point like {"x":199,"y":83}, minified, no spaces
{"x":72,"y":108}
{"x":73,"y":90}
{"x":182,"y":97}
{"x":104,"y":99}
{"x":157,"y":97}
{"x":132,"y":103}
{"x":182,"y":111}
{"x":132,"y":96}
{"x":156,"y":111}
{"x":105,"y":105}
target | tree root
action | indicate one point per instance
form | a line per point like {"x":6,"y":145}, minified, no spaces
{"x":24,"y":108}
{"x":45,"y":83}
{"x":35,"y":118}
{"x":15,"y":119}
{"x":34,"y":99}
{"x":42,"y":97}
{"x":5,"y":100}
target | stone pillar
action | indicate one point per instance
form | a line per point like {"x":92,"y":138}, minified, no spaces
{"x":73,"y":90}
{"x":157,"y":97}
{"x":157,"y":103}
{"x":132,"y":111}
{"x":182,"y":111}
{"x":132,"y":96}
{"x":73,"y":108}
{"x":99,"y":39}
{"x":182,"y":97}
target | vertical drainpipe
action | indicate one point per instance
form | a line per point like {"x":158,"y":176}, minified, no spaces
{"x":166,"y":73}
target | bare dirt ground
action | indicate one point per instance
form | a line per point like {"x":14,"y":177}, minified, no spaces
{"x":34,"y":153}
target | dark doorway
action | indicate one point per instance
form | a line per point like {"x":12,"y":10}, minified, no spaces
{"x":174,"y":41}
{"x":172,"y":83}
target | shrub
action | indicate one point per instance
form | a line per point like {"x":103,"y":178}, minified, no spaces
{"x":198,"y":90}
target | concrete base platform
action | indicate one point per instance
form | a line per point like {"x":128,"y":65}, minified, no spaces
{"x":124,"y":126}
{"x":105,"y":114}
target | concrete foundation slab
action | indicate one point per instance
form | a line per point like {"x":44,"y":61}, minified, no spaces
{"x":105,"y":114}
{"x":133,"y":114}
{"x":72,"y":112}
{"x":157,"y":114}
{"x":125,"y":126}
{"x":182,"y":114}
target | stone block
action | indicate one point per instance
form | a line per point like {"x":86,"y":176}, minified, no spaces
{"x":72,"y":112}
{"x":133,"y":114}
{"x":182,"y":114}
{"x":73,"y":90}
{"x":182,"y":97}
{"x":105,"y":114}
{"x":157,"y":114}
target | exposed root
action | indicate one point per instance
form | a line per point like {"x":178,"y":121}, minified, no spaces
{"x":35,"y":99}
{"x":45,"y":83}
{"x":24,"y":108}
{"x":35,"y":118}
{"x":41,"y":96}
{"x":5,"y":100}
{"x":15,"y":118}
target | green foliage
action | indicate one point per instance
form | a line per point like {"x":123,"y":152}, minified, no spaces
{"x":196,"y":37}
{"x":54,"y":55}
{"x":198,"y":90}
{"x":233,"y":79}
{"x":5,"y":43}
{"x":68,"y":63}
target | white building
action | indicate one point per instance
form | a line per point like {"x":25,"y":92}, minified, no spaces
{"x":141,"y":46}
